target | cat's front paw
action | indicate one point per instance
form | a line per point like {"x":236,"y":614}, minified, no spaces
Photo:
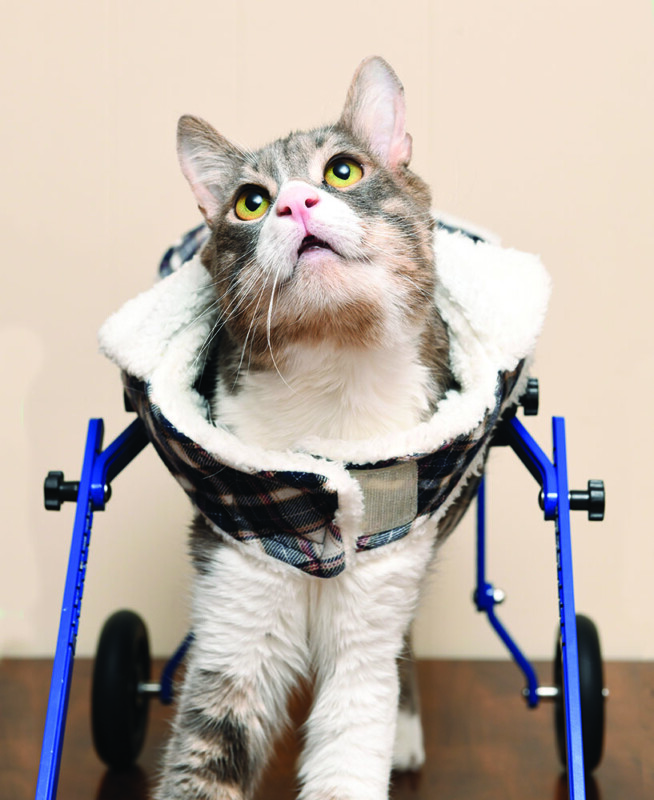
{"x":409,"y":749}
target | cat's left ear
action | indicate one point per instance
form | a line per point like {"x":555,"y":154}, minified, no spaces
{"x":375,"y":112}
{"x":207,"y":160}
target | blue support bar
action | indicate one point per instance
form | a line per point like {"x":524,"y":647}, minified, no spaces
{"x":98,"y":470}
{"x":481,"y":535}
{"x":53,"y":737}
{"x":555,"y":499}
{"x":168,"y":673}
{"x":485,"y":600}
{"x":575,"y":756}
{"x":114,"y":459}
{"x":538,"y":464}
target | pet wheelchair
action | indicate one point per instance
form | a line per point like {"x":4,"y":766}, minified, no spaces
{"x":121,"y":683}
{"x":122,"y":686}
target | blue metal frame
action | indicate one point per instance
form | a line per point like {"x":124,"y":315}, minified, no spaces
{"x":100,"y":467}
{"x":572,"y":694}
{"x":166,"y":692}
{"x":486,"y":599}
{"x":555,"y":500}
{"x":98,"y":470}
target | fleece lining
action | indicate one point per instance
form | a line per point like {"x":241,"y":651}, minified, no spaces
{"x":494,"y":302}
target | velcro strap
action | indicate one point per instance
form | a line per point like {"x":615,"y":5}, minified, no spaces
{"x":390,"y":496}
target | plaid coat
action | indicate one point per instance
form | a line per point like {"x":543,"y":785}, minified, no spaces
{"x":293,"y":515}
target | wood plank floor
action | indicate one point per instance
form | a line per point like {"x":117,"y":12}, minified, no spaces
{"x":482,"y":742}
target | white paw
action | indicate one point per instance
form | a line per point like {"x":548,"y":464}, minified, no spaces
{"x":409,"y":749}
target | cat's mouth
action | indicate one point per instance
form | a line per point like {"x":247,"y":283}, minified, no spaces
{"x":313,"y":243}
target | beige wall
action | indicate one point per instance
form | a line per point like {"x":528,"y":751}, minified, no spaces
{"x":533,"y":119}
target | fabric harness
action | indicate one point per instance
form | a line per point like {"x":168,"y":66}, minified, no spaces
{"x":312,"y":513}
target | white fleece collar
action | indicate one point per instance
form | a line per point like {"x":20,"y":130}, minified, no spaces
{"x":494,"y":302}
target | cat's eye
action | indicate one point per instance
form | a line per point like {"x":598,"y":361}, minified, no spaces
{"x":342,"y":171}
{"x":252,"y":203}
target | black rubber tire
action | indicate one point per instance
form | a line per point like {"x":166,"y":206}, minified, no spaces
{"x":591,"y":688}
{"x":119,"y":712}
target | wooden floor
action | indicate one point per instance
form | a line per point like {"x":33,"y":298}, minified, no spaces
{"x":482,"y":742}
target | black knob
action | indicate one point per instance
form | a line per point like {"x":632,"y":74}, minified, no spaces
{"x":593,"y":500}
{"x":529,"y":400}
{"x":57,"y":491}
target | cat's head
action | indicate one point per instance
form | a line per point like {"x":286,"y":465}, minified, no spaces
{"x":322,"y":236}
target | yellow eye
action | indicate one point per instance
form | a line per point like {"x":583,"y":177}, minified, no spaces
{"x":251,"y":203}
{"x":342,"y":172}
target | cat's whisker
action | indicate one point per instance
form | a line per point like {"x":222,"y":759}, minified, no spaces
{"x":196,"y":320}
{"x":421,"y":290}
{"x":247,"y":337}
{"x":239,"y":300}
{"x":206,"y":345}
{"x":376,"y":248}
{"x":268,"y":331}
{"x":233,"y":309}
{"x":199,"y":317}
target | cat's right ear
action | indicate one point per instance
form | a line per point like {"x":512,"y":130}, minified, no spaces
{"x":375,"y":111}
{"x":206,"y":159}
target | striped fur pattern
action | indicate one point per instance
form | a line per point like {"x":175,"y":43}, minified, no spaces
{"x":327,"y":329}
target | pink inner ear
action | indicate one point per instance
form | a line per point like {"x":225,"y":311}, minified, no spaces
{"x":204,"y":198}
{"x":376,"y":111}
{"x":399,"y":153}
{"x":384,"y":129}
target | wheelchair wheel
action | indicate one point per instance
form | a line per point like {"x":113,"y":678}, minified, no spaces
{"x":591,"y":687}
{"x":119,"y":711}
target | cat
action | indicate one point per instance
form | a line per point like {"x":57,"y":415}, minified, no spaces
{"x":321,"y":254}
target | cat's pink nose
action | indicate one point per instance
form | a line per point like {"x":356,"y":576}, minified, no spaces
{"x":296,"y":199}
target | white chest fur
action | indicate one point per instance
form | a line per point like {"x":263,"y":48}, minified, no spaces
{"x":329,"y":393}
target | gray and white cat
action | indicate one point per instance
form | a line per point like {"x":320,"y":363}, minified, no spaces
{"x":321,"y":253}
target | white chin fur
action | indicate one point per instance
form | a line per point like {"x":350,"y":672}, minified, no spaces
{"x":351,"y":395}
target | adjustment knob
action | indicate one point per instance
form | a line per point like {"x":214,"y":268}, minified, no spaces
{"x":529,"y":400}
{"x":593,"y":500}
{"x":57,"y":491}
